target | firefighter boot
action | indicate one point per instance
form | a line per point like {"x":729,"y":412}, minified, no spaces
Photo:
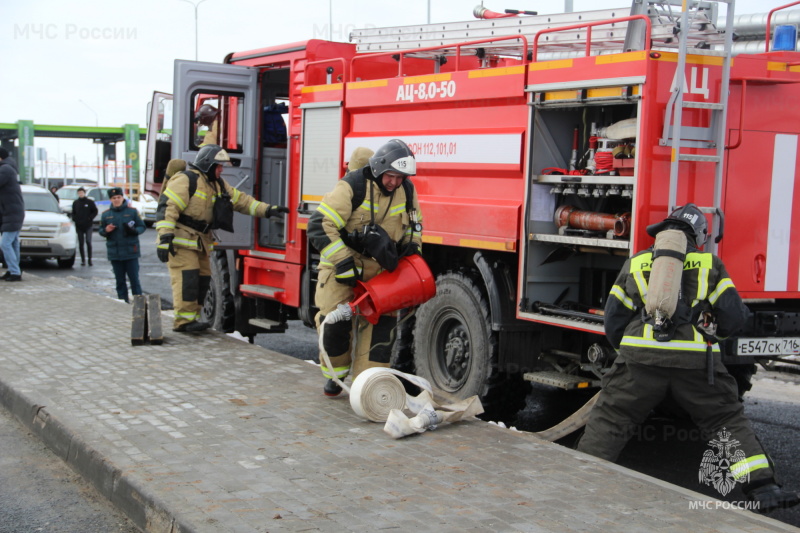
{"x":331,"y":389}
{"x":771,"y":497}
{"x":192,"y":327}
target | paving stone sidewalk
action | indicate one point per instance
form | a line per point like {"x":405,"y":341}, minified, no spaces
{"x":207,"y":433}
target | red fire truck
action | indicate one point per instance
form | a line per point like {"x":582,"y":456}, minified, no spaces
{"x":545,"y":145}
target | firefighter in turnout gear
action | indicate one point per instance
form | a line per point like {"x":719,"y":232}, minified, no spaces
{"x":369,"y":220}
{"x":678,"y":355}
{"x":190,"y":202}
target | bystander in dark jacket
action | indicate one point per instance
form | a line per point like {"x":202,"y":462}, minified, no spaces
{"x":83,"y":212}
{"x":12,"y":209}
{"x":121,"y":226}
{"x":12,"y":213}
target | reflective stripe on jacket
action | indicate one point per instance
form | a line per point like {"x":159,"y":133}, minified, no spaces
{"x":335,"y":213}
{"x":200,"y":207}
{"x":705,"y":286}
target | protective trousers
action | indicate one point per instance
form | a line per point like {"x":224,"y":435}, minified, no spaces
{"x":631,"y":391}
{"x":190,"y":275}
{"x":85,"y":236}
{"x":373,"y":346}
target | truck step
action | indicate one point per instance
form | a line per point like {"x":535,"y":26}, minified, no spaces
{"x":561,"y":380}
{"x":262,"y":290}
{"x":267,"y":324}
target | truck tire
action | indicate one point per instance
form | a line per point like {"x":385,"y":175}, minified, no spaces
{"x":454,"y":346}
{"x":218,"y":307}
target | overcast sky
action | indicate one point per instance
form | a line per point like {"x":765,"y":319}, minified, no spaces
{"x":83,"y":62}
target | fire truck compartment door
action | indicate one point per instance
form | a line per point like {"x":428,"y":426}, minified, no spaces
{"x":321,"y":154}
{"x":236,"y":89}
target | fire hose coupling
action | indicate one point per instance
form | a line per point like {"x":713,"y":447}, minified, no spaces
{"x":343,"y":312}
{"x":572,"y":217}
{"x":429,"y":418}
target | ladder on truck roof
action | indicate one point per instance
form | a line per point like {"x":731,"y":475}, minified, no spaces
{"x":712,"y":137}
{"x":614,"y":37}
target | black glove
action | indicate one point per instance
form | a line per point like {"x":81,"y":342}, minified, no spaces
{"x":347,"y":272}
{"x":130,"y":228}
{"x":410,"y":248}
{"x":276,"y":210}
{"x":165,"y":248}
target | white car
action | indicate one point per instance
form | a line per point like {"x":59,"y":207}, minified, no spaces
{"x":46,"y":232}
{"x":146,"y":206}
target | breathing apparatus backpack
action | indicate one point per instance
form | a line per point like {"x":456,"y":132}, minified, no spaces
{"x":161,"y":210}
{"x":665,"y":310}
{"x":223,"y":207}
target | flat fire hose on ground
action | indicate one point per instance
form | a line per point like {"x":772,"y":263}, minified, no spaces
{"x":378,"y":395}
{"x":572,"y":423}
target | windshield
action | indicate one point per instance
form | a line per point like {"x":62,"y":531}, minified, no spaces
{"x":40,"y":201}
{"x":99,"y":195}
{"x":67,"y":194}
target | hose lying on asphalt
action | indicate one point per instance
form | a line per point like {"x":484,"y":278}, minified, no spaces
{"x":378,"y":395}
{"x":572,"y":423}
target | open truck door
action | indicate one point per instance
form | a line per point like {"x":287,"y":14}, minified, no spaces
{"x":159,"y":141}
{"x":218,"y":104}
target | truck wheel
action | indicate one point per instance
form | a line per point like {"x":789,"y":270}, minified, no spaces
{"x":218,"y":308}
{"x":453,"y":341}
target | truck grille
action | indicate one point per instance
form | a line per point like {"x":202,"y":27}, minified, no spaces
{"x":41,"y":231}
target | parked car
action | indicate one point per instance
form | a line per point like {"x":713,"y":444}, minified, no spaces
{"x":69,"y":194}
{"x":46,"y":232}
{"x":61,"y":182}
{"x":146,"y":205}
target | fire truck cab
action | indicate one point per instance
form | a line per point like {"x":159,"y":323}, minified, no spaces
{"x":545,"y":146}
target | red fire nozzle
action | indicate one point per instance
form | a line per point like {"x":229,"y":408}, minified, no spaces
{"x":481,"y":12}
{"x":411,"y":283}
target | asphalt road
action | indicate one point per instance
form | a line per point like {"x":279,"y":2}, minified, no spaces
{"x":39,"y":492}
{"x":665,"y":448}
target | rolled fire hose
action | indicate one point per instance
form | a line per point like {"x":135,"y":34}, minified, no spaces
{"x":624,"y":129}
{"x":378,"y":395}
